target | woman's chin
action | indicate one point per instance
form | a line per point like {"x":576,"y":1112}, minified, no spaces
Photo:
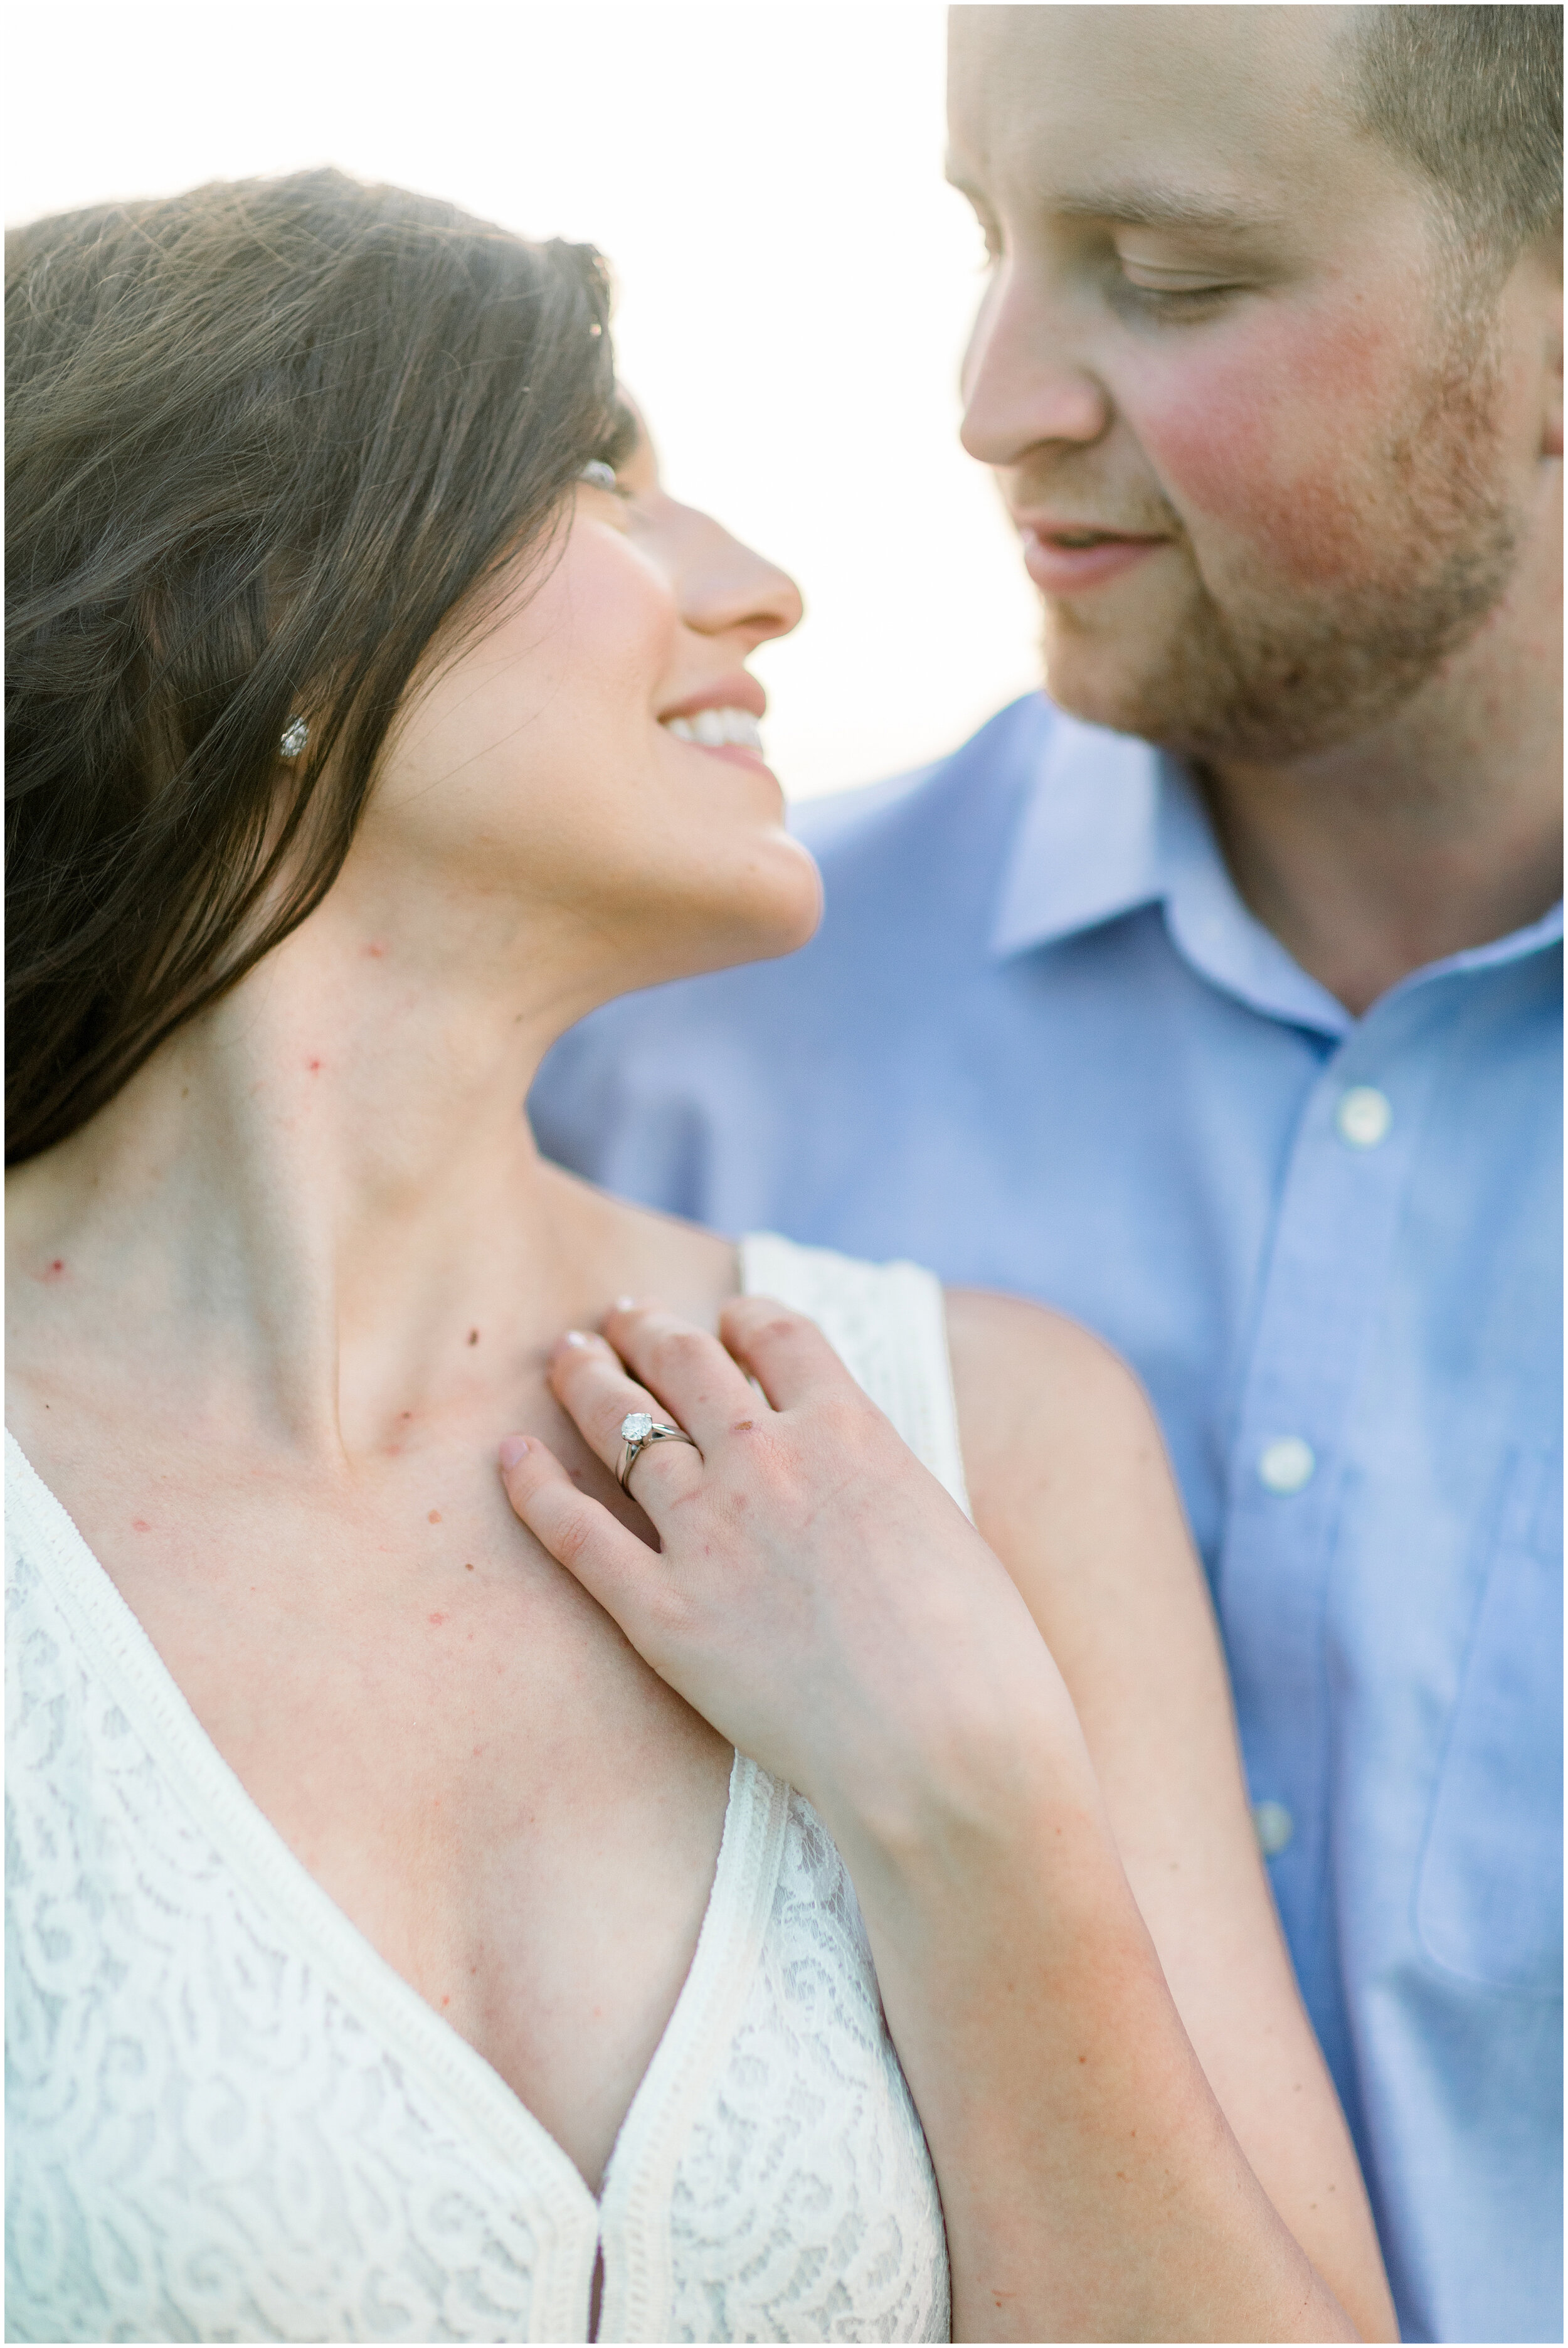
{"x":787,"y":910}
{"x":770,"y":906}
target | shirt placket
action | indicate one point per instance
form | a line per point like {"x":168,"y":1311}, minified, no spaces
{"x":1293,"y":1451}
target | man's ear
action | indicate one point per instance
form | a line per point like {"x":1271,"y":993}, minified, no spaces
{"x":1552,"y":355}
{"x":1552,"y":431}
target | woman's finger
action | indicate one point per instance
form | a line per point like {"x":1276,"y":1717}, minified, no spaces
{"x":787,"y":1354}
{"x":624,"y":1575}
{"x":696,"y":1381}
{"x":590,"y":1381}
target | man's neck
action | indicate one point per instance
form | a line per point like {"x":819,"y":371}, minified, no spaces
{"x":1439,"y":831}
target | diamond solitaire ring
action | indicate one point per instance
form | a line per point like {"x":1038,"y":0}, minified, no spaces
{"x":638,"y":1430}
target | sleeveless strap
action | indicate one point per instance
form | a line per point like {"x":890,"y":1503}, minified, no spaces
{"x":888,"y":1325}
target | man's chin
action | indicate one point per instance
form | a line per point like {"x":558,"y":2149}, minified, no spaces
{"x":1102,"y":685}
{"x":1172,"y":710}
{"x":1206,"y":699}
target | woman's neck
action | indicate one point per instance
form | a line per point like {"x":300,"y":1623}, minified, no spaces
{"x":310,"y":1199}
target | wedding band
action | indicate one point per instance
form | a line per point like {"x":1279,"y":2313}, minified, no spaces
{"x":638,"y":1430}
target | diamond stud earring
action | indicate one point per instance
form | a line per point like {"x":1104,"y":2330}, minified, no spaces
{"x":294,"y":737}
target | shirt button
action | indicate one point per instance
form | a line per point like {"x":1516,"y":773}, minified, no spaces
{"x":1275,"y":1828}
{"x":1286,"y":1465}
{"x":1364,"y":1116}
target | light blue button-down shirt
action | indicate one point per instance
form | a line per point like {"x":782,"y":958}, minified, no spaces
{"x":1040,"y":1044}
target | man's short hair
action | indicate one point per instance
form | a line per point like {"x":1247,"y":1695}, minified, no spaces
{"x":1474,"y":98}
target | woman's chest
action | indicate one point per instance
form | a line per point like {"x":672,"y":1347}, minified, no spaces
{"x":454,"y":1742}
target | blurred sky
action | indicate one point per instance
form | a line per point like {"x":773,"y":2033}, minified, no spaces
{"x":795,"y":281}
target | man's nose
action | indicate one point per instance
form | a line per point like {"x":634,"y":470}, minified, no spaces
{"x":1024,"y":386}
{"x":726,"y":588}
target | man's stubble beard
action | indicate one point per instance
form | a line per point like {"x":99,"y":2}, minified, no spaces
{"x":1262,"y":677}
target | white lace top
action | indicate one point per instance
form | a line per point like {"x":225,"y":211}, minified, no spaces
{"x":229,"y":2119}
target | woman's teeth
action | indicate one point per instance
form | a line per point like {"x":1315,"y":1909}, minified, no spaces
{"x":713,"y":728}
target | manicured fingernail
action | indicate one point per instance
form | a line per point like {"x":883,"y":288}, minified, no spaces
{"x":577,"y":1337}
{"x":515,"y":1447}
{"x":626,"y":1304}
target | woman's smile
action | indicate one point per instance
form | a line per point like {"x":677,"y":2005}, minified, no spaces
{"x":722,"y":729}
{"x":723,"y":718}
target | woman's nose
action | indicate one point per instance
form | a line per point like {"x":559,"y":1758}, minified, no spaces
{"x":727,"y":589}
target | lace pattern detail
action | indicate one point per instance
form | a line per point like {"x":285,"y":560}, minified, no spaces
{"x":207,"y":2142}
{"x":805,"y":2207}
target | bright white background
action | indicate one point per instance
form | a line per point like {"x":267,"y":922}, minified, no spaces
{"x":795,"y":281}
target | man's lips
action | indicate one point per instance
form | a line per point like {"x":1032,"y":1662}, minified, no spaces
{"x":1065,"y":558}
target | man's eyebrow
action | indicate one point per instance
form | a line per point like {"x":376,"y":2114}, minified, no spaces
{"x":1145,"y":203}
{"x":1149,"y":203}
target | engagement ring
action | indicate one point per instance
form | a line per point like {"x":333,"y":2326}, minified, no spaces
{"x":638,"y":1430}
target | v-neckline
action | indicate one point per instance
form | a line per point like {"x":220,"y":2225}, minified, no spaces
{"x":738,"y":1900}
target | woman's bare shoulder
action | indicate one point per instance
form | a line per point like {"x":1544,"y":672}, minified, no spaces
{"x":1027,"y":1374}
{"x":1066,"y":1466}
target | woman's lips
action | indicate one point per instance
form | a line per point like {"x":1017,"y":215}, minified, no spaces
{"x":1067,"y":570}
{"x":737,"y":755}
{"x":724,"y":730}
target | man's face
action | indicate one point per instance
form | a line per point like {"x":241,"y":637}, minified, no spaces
{"x":1268,"y":465}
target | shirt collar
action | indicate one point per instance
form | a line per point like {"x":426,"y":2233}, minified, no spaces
{"x":1086,"y":847}
{"x":1110,"y":824}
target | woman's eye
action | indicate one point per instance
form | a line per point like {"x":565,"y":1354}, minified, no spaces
{"x":607,"y":480}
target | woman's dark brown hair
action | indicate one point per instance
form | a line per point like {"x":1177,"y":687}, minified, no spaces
{"x":263,"y":441}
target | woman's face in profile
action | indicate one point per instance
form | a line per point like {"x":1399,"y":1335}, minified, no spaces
{"x":590,"y":755}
